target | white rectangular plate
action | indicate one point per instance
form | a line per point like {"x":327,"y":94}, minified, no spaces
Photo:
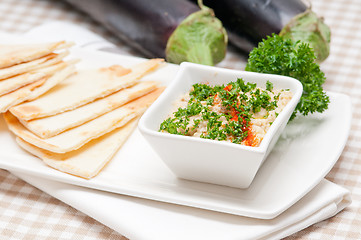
{"x":305,"y":153}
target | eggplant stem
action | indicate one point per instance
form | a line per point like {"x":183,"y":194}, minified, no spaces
{"x":200,"y":4}
{"x":205,"y":8}
{"x":308,"y":3}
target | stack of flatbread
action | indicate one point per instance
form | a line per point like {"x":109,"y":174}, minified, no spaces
{"x":78,"y":125}
{"x":28,"y":71}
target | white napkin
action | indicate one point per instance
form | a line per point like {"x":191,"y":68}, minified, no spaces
{"x":145,"y":219}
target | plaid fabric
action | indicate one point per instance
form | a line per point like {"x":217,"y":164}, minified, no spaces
{"x":27,"y":213}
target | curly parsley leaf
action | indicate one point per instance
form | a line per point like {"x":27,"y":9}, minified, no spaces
{"x":296,"y":59}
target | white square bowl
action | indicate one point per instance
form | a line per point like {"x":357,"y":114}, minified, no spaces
{"x":212,"y":161}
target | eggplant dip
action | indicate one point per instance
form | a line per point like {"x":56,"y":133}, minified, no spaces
{"x":239,"y":112}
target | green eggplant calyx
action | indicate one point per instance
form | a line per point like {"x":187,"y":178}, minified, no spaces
{"x":200,"y":38}
{"x":308,"y":27}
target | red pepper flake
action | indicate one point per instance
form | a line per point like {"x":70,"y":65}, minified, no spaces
{"x":227,"y":88}
{"x":234,"y":118}
{"x":251,"y":139}
{"x":216,"y":99}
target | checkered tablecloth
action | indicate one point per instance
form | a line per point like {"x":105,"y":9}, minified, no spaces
{"x":28,"y":213}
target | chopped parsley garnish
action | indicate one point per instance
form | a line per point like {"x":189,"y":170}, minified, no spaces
{"x":296,"y":59}
{"x":237,"y":101}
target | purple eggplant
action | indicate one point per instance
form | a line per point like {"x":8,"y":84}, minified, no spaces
{"x":249,"y":21}
{"x":177,"y":30}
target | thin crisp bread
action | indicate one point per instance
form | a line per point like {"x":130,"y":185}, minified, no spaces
{"x":33,"y":90}
{"x":89,"y":160}
{"x":76,"y":137}
{"x":82,"y":88}
{"x":11,"y":54}
{"x":50,"y":126}
{"x":16,"y":97}
{"x":13,"y":83}
{"x":32,"y":65}
{"x":51,"y":82}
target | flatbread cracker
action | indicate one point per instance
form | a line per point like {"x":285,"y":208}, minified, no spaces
{"x":13,"y":83}
{"x":19,"y":81}
{"x":76,"y":137}
{"x":90,"y":159}
{"x":32,"y":65}
{"x":17,"y":96}
{"x":50,"y":126}
{"x":33,"y":90}
{"x":51,"y":82}
{"x":82,"y":88}
{"x":15,"y":54}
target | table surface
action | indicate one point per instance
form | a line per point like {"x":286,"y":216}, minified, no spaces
{"x":28,"y":213}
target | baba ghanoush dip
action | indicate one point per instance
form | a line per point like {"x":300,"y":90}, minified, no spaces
{"x":239,"y":112}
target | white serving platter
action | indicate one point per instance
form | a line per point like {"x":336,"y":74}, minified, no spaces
{"x":304,"y":154}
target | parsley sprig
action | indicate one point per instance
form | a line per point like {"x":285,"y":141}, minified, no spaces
{"x":277,"y":55}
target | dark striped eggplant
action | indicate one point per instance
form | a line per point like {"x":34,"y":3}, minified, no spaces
{"x":177,"y":30}
{"x":249,"y":21}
